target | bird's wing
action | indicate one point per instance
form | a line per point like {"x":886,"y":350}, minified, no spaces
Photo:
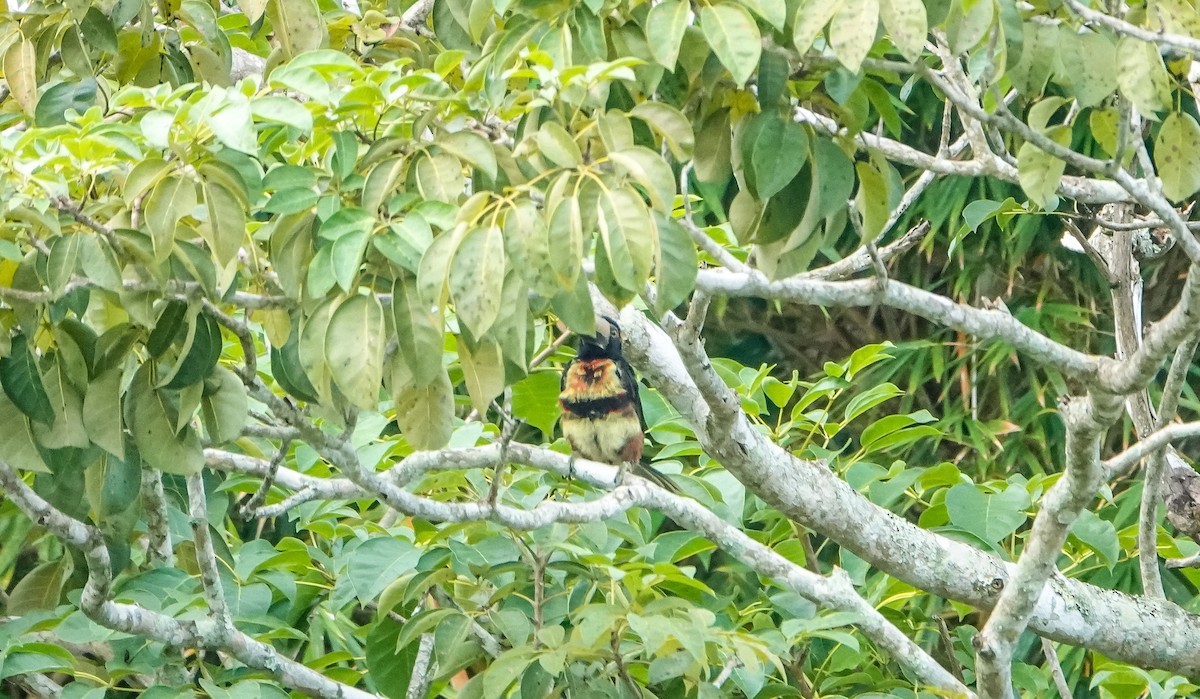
{"x":629,"y":383}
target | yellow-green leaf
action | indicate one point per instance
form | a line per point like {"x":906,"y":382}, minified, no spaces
{"x":649,"y":170}
{"x":810,"y":18}
{"x":1177,"y":156}
{"x":171,"y":200}
{"x":483,"y":372}
{"x":20,"y":72}
{"x":298,"y":24}
{"x":476,"y":278}
{"x":354,"y":343}
{"x":629,"y":236}
{"x":734,"y":37}
{"x":424,"y":413}
{"x":226,"y":226}
{"x":665,"y":26}
{"x":907,"y":24}
{"x":1142,"y":77}
{"x":671,"y":125}
{"x":1038,"y":171}
{"x":557,"y":145}
{"x":852,"y":32}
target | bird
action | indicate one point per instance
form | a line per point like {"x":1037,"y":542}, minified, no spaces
{"x":601,"y":409}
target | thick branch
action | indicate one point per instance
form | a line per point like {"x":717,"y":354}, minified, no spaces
{"x":1086,"y":421}
{"x":983,"y":324}
{"x":1153,"y":633}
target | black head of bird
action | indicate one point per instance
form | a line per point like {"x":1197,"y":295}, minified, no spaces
{"x":605,"y":344}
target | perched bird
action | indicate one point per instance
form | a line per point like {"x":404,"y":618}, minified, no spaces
{"x":602,"y":413}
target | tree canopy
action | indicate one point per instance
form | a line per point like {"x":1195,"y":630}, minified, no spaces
{"x":286,"y":286}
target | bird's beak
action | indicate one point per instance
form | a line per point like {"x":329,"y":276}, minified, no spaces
{"x":603,"y":329}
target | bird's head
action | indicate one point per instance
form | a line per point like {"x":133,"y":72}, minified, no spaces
{"x":606,"y":343}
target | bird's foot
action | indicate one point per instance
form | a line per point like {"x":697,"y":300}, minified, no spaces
{"x":621,"y":471}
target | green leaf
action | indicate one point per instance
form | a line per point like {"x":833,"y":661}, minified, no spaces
{"x":527,"y":242}
{"x":198,"y":355}
{"x":313,"y":330}
{"x":354,"y":344}
{"x":439,"y":177}
{"x":483,"y":372}
{"x":810,"y":18}
{"x":676,"y":264}
{"x":1039,"y":172}
{"x":1098,"y":535}
{"x":39,"y":589}
{"x":1177,"y":155}
{"x":22,"y":382}
{"x":505,"y":670}
{"x":872,"y":200}
{"x":990,"y":516}
{"x":16,"y":439}
{"x":20,"y":72}
{"x":671,"y":125}
{"x":292,"y":200}
{"x":233,"y":124}
{"x":298,"y":25}
{"x":289,"y":373}
{"x":1089,"y":66}
{"x":665,"y":26}
{"x":153,"y":415}
{"x":102,"y":412}
{"x":435,"y":266}
{"x":390,"y":667}
{"x":424,"y":413}
{"x":556,"y":144}
{"x":535,"y":400}
{"x":64,"y":260}
{"x":114,"y":485}
{"x":477,"y":277}
{"x":734,"y":37}
{"x":99,"y":264}
{"x":566,"y":241}
{"x":224,"y":407}
{"x":907,"y":25}
{"x":226,"y":226}
{"x":629,"y":237}
{"x":1142,"y":77}
{"x":171,"y":200}
{"x":651,"y":172}
{"x":779,"y":152}
{"x":55,"y":102}
{"x":773,"y":12}
{"x":852,"y":32}
{"x":419,"y":332}
{"x":471,"y":148}
{"x":377,"y":563}
{"x":280,"y":109}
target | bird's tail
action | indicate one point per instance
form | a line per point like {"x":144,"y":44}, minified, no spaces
{"x":658,"y":477}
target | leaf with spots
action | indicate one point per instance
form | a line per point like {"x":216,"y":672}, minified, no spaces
{"x":1177,"y":156}
{"x":476,"y":278}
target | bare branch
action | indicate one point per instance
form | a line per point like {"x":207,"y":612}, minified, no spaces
{"x":158,"y":529}
{"x":1185,"y":44}
{"x":1086,"y":419}
{"x":808,"y":492}
{"x":983,"y":324}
